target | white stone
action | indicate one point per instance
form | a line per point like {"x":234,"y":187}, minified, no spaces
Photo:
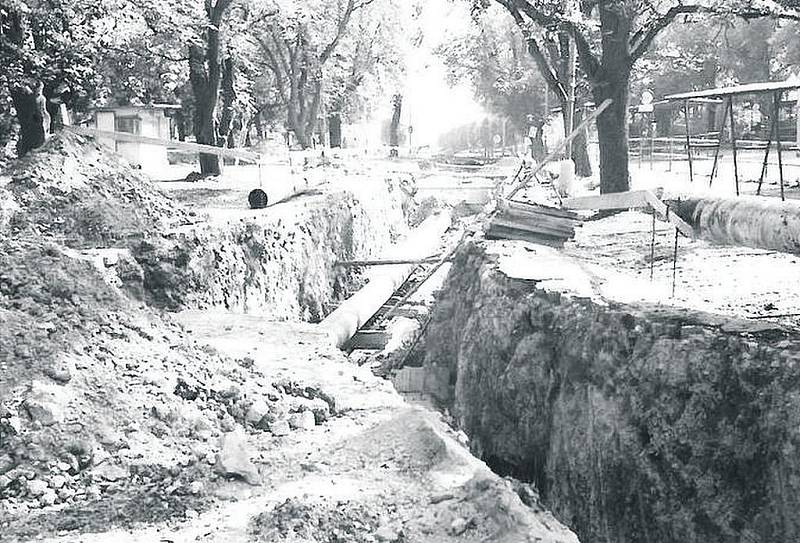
{"x":303,"y":420}
{"x":233,"y":458}
{"x":280,"y":428}
{"x":36,"y":487}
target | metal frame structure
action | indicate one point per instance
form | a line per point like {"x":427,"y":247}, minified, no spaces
{"x":776,"y":89}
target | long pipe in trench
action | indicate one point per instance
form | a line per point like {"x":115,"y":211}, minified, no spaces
{"x":759,"y":222}
{"x":344,"y":322}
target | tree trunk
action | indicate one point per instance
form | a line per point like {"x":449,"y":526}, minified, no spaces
{"x":580,"y":153}
{"x":612,"y":133}
{"x":204,"y":76}
{"x":180,"y":123}
{"x":335,"y":130}
{"x":612,"y":80}
{"x":394,"y":128}
{"x":228,"y":99}
{"x":31,"y":123}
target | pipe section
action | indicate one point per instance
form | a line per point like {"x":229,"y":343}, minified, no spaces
{"x":344,"y":322}
{"x":763,"y":223}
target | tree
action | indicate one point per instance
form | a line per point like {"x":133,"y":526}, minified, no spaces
{"x":367,"y":63}
{"x":297,"y":43}
{"x":49,"y":43}
{"x":205,"y":75}
{"x":506,"y":74}
{"x":610,"y":37}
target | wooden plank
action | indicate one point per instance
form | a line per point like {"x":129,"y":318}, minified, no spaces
{"x":614,"y":200}
{"x":662,"y":209}
{"x":534,"y":228}
{"x":628,"y":200}
{"x":539,"y":209}
{"x":532,"y":222}
{"x":169,"y":144}
{"x":501,"y":232}
{"x":750,"y":88}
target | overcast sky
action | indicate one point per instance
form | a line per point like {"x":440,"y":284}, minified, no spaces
{"x":430,"y":105}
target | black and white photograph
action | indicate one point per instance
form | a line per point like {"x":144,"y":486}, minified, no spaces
{"x":400,"y":271}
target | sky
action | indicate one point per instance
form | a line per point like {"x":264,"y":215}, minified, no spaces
{"x":430,"y":105}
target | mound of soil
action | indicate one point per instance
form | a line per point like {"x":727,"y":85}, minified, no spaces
{"x":93,"y":389}
{"x":83,"y":194}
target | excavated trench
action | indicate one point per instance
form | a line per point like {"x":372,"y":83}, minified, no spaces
{"x":636,"y":423}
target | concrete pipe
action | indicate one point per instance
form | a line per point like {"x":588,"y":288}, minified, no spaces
{"x":276,"y":191}
{"x":344,"y":322}
{"x":763,"y":223}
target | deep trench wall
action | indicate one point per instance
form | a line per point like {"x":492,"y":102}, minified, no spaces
{"x":280,"y":267}
{"x":637,"y":424}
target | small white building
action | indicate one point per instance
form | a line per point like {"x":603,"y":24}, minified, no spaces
{"x":152,"y":121}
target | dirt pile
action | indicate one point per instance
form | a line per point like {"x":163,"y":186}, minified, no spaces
{"x":82,"y":194}
{"x":99,"y":396}
{"x":635,"y":423}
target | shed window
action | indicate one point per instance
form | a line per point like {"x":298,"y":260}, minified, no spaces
{"x":130,"y":125}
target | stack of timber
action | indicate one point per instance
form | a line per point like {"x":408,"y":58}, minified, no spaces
{"x":532,"y":222}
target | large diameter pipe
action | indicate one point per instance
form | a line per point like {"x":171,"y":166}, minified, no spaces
{"x":278,"y":190}
{"x":764,"y":223}
{"x":344,"y":322}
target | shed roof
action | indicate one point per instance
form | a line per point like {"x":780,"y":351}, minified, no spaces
{"x":750,"y":88}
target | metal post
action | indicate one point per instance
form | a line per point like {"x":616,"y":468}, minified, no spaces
{"x":675,"y":263}
{"x":773,"y":127}
{"x":777,"y":100}
{"x":719,"y":143}
{"x":733,"y":143}
{"x":688,"y":139}
{"x":653,"y":247}
{"x":669,"y":150}
{"x":652,"y":138}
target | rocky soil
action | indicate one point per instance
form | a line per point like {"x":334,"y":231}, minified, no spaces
{"x":636,"y":422}
{"x":119,"y":421}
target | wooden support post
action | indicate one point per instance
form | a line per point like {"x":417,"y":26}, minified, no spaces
{"x":688,"y":139}
{"x":719,"y":143}
{"x":733,"y":144}
{"x":652,"y":133}
{"x":777,"y":100}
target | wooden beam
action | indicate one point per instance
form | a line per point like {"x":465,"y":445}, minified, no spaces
{"x":169,"y":144}
{"x":628,"y":200}
{"x":613,"y":200}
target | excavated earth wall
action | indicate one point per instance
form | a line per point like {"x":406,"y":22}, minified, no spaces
{"x":278,"y":264}
{"x":637,"y":423}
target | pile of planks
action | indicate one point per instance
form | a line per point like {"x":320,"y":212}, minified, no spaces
{"x":532,"y":222}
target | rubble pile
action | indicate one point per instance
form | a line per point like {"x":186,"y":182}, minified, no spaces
{"x":82,"y":194}
{"x":94,"y":390}
{"x":105,"y":402}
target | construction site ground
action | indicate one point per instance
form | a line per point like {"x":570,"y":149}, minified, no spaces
{"x":207,"y":424}
{"x":120,"y":426}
